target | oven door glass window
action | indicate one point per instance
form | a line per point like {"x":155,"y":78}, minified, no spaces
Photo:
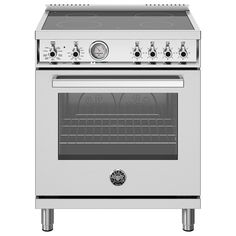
{"x":118,"y":126}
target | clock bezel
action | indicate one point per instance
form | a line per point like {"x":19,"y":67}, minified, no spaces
{"x":93,"y":45}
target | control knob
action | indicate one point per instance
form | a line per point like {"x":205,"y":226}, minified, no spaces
{"x":75,"y":51}
{"x":183,"y":51}
{"x":167,"y":51}
{"x":53,"y":50}
{"x":152,"y":51}
{"x":137,"y":51}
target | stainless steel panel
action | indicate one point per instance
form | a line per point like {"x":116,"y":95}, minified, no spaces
{"x":119,"y":50}
{"x":118,"y":203}
{"x":129,"y":65}
{"x":180,"y":177}
{"x":117,"y":34}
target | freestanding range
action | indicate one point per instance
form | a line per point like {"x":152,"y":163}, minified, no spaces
{"x":117,"y":109}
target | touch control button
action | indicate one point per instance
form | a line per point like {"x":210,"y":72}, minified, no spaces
{"x":118,"y":177}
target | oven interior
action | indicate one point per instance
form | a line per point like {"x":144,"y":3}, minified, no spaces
{"x":118,"y":126}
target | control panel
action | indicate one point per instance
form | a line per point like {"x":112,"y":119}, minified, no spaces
{"x":152,"y":51}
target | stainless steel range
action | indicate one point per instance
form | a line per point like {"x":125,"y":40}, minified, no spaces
{"x":117,"y":109}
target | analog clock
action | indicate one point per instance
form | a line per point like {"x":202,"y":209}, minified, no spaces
{"x":99,"y":50}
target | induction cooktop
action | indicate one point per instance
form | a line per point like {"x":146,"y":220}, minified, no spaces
{"x":117,"y":20}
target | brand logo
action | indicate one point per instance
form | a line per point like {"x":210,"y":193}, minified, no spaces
{"x":118,"y":177}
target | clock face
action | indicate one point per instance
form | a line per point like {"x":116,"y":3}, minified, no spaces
{"x":99,"y":50}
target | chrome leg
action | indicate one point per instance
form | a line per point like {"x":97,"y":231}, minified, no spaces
{"x":47,"y":219}
{"x":188,"y":219}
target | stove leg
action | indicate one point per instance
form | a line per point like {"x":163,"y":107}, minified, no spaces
{"x":188,"y":219}
{"x":47,"y":219}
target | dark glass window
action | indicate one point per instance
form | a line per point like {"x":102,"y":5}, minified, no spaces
{"x":118,"y":126}
{"x":117,"y":20}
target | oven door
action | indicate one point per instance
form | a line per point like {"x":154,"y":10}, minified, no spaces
{"x":93,"y":128}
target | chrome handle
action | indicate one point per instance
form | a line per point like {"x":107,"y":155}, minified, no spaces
{"x":118,"y":83}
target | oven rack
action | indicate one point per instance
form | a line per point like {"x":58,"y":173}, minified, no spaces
{"x":117,"y":129}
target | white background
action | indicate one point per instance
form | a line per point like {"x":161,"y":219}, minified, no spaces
{"x":18,"y":20}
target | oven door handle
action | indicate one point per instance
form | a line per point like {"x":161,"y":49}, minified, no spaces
{"x":118,"y":83}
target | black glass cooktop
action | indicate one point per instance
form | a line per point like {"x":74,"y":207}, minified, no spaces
{"x":114,"y":20}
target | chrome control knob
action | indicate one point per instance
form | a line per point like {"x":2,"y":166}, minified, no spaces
{"x":152,"y":51}
{"x":183,"y":51}
{"x":137,"y":51}
{"x":167,"y":51}
{"x":75,"y":51}
{"x":53,"y":50}
{"x":52,"y":53}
